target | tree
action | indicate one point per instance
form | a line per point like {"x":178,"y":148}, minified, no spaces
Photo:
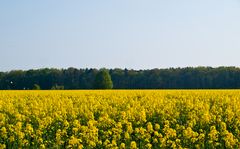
{"x":57,"y":87}
{"x":171,"y":78}
{"x":103,"y":80}
{"x":36,"y":87}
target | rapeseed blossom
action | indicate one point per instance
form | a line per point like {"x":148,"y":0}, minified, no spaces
{"x":120,"y":119}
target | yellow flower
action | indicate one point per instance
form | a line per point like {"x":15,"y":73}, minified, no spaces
{"x":2,"y":146}
{"x":116,"y":119}
{"x":149,"y":146}
{"x":29,"y":129}
{"x":73,"y":141}
{"x":122,"y":146}
{"x":4,"y":132}
{"x":11,"y":138}
{"x":42,"y":146}
{"x":20,"y":135}
{"x":149,"y":127}
{"x":133,"y":145}
{"x":157,"y":127}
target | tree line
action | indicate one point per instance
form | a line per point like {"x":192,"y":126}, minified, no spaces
{"x":170,"y":78}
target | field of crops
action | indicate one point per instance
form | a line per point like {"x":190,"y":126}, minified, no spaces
{"x":120,"y":119}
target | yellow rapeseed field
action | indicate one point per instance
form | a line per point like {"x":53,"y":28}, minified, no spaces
{"x":120,"y":119}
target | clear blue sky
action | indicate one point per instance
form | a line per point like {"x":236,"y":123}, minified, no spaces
{"x":138,"y":34}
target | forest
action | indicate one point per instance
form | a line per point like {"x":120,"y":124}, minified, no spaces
{"x":169,"y":78}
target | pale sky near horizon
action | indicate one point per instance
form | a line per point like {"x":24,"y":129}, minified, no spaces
{"x":134,"y":34}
